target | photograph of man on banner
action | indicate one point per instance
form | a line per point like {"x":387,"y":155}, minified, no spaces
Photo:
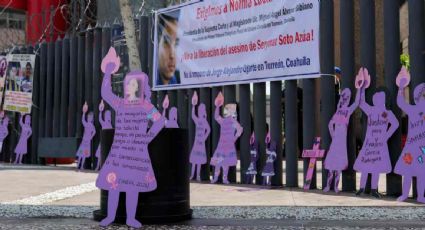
{"x":168,"y":42}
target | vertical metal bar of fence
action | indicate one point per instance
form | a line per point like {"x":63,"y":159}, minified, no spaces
{"x":172,"y":94}
{"x":57,"y":88}
{"x":416,"y":42}
{"x":276,"y":128}
{"x":260,"y":126}
{"x":327,"y":86}
{"x":392,"y":67}
{"x":88,"y":81}
{"x":35,"y":106}
{"x":182,"y":105}
{"x":150,"y":58}
{"x":97,"y":82}
{"x":191,"y":124}
{"x":43,"y":76}
{"x":106,"y":44}
{"x":367,"y":52}
{"x":291,"y":133}
{"x":348,"y":72}
{"x":245,"y":121}
{"x":49,"y":88}
{"x":80,"y":82}
{"x":31,"y":153}
{"x":309,"y":124}
{"x":205,"y":97}
{"x":230,"y":97}
{"x":215,"y":127}
{"x":72,"y":93}
{"x":64,"y":103}
{"x":144,"y":43}
{"x":416,"y":50}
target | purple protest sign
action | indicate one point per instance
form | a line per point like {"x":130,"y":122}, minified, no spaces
{"x":411,"y":161}
{"x":313,"y":154}
{"x":171,"y":122}
{"x":374,"y":156}
{"x":268,"y":170}
{"x":84,"y":151}
{"x":251,"y":172}
{"x":337,"y":158}
{"x":105,"y":123}
{"x":230,"y":130}
{"x":198,"y":155}
{"x":128,"y":166}
{"x":26,"y":131}
{"x":4,"y":131}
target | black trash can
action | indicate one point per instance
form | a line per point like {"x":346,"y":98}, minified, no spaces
{"x":170,"y":202}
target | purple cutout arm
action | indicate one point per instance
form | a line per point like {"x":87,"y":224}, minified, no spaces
{"x":21,"y":120}
{"x":107,"y":94}
{"x":83,"y":119}
{"x":207,"y":131}
{"x":156,"y":128}
{"x":101,"y":121}
{"x":393,"y":124}
{"x":356,"y":103}
{"x":406,"y":107}
{"x":217,"y":115}
{"x":331,"y":127}
{"x":194,"y":117}
{"x":363,"y":104}
{"x":239,"y":130}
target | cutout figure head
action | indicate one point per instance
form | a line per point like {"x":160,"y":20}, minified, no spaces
{"x":230,"y":111}
{"x":108,"y":116}
{"x":202,"y":112}
{"x":419,"y":94}
{"x":344,"y":99}
{"x":28,"y":120}
{"x":136,"y":87}
{"x":90,"y":117}
{"x":379,"y":99}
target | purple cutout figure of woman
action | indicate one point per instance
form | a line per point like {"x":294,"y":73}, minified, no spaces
{"x":337,"y":158}
{"x":84,"y":151}
{"x":171,"y":122}
{"x":268,"y":170}
{"x":105,"y":124}
{"x":4,"y":131}
{"x":230,"y":130}
{"x":374,"y":156}
{"x":26,"y":131}
{"x":128,"y":166}
{"x":411,"y":161}
{"x":251,"y":172}
{"x":198,"y":155}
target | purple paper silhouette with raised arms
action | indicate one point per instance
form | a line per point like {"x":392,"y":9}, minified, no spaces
{"x":84,"y":151}
{"x":268,"y":170}
{"x":26,"y":131}
{"x":411,"y":162}
{"x":171,"y":122}
{"x":4,"y":131}
{"x":251,"y":172}
{"x":128,"y":166}
{"x":230,"y":130}
{"x":337,"y":158}
{"x":381,"y":124}
{"x":198,"y":155}
{"x":105,"y":123}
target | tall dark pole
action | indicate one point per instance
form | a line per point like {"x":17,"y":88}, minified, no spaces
{"x":230,"y":97}
{"x":260,"y":125}
{"x":35,"y":110}
{"x":57,"y":88}
{"x":97,"y":81}
{"x":205,"y":97}
{"x":43,"y":75}
{"x":49,"y":89}
{"x":245,"y":121}
{"x":309,"y":123}
{"x":73,"y":52}
{"x":348,"y":73}
{"x":392,"y":67}
{"x":327,"y":86}
{"x":64,"y":104}
{"x":291,"y":133}
{"x":276,"y":128}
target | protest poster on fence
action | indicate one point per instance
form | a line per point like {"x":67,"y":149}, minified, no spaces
{"x":222,"y":42}
{"x":19,"y":83}
{"x":3,"y":68}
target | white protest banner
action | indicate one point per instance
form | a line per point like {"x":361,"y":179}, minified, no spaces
{"x":3,"y":68}
{"x":222,"y":42}
{"x":19,"y":79}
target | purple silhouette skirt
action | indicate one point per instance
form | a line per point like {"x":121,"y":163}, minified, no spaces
{"x":252,"y":169}
{"x":198,"y":157}
{"x":224,"y":159}
{"x":84,"y":149}
{"x":268,"y":169}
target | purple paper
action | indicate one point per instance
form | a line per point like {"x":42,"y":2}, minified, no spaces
{"x":128,"y":166}
{"x":374,"y":156}
{"x":337,"y":158}
{"x":268,"y":170}
{"x":26,"y":131}
{"x":313,"y":154}
{"x":84,"y":151}
{"x":198,"y":155}
{"x":230,"y":130}
{"x":171,"y":122}
{"x":4,"y":131}
{"x":411,"y":161}
{"x":105,"y":123}
{"x":251,"y":172}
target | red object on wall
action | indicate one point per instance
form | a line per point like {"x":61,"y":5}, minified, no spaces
{"x":15,"y":4}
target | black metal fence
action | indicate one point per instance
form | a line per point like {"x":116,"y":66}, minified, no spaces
{"x":68,"y":73}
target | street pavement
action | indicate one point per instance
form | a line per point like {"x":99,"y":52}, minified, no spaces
{"x":46,"y":197}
